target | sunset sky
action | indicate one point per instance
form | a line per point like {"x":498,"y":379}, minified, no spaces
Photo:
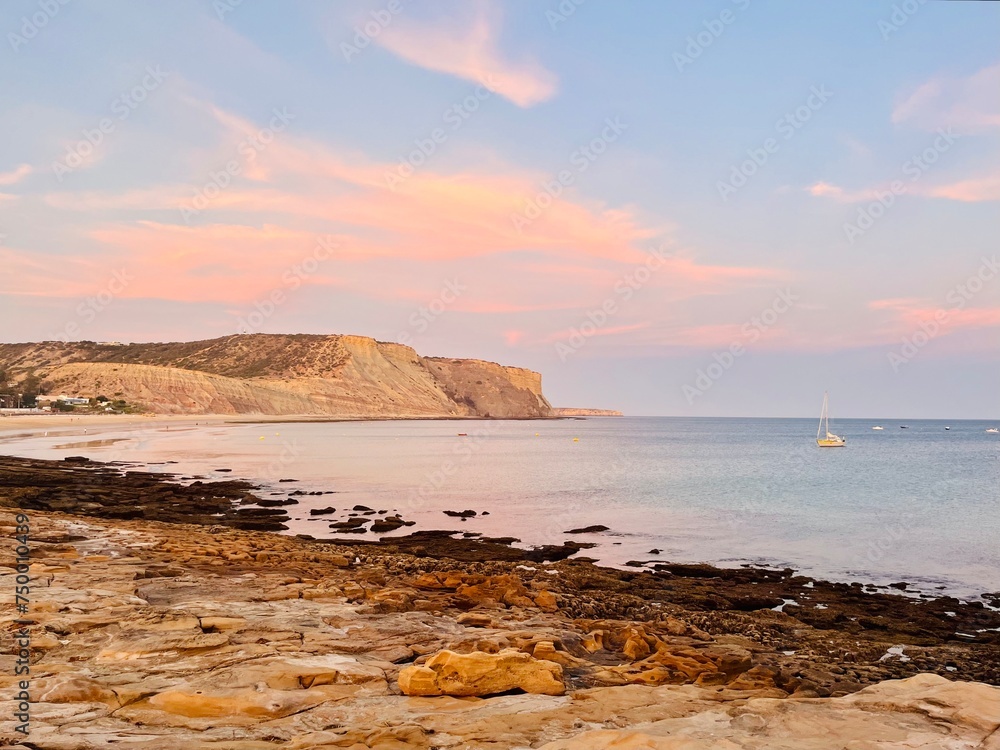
{"x":710,"y":208}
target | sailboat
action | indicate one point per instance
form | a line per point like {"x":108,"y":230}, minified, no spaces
{"x":825,"y":438}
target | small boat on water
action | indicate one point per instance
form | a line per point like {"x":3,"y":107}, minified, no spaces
{"x":878,"y":427}
{"x":825,"y":438}
{"x":992,"y":430}
{"x":904,"y":427}
{"x":947,"y":428}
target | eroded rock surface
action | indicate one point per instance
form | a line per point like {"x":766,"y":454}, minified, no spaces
{"x":157,"y":635}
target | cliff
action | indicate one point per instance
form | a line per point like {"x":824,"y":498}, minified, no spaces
{"x":276,"y":374}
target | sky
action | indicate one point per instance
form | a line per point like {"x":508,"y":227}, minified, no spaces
{"x":715,"y":208}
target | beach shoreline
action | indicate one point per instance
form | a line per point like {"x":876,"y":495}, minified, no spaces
{"x":38,"y":423}
{"x":124,"y":493}
{"x":152,"y":624}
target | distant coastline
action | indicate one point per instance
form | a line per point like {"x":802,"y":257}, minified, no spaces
{"x":579,"y":412}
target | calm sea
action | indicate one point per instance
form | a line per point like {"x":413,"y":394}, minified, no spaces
{"x":920,"y":504}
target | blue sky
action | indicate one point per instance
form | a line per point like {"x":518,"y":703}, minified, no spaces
{"x":717,"y":208}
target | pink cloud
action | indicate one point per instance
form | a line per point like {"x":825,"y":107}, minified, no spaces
{"x":602,"y":331}
{"x":970,"y":104}
{"x":512,"y":338}
{"x":214,"y":263}
{"x":495,"y":307}
{"x":430,"y":215}
{"x":468,"y":48}
{"x":910,"y":314}
{"x":16,"y":175}
{"x":32,"y":275}
{"x":842,"y":195}
{"x":969,"y":191}
{"x":835,"y":192}
{"x":895,"y":303}
{"x":686,"y":269}
{"x":241,"y":244}
{"x":825,"y":189}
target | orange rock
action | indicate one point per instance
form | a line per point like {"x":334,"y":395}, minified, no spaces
{"x":475,"y":620}
{"x":448,"y":673}
{"x":594,"y":641}
{"x":547,"y":601}
{"x":636,"y":649}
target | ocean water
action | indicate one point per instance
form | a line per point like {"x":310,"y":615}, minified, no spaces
{"x":920,"y":505}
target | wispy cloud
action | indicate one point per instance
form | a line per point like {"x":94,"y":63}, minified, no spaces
{"x":970,"y":191}
{"x":16,"y":175}
{"x":433,"y":215}
{"x":908,"y":314}
{"x":512,"y":337}
{"x":976,"y":190}
{"x":613,"y":331}
{"x":968,"y":104}
{"x":823,"y":189}
{"x":570,"y":258}
{"x":468,"y":47}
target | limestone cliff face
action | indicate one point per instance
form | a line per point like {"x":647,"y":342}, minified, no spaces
{"x":489,"y":389}
{"x":344,"y":376}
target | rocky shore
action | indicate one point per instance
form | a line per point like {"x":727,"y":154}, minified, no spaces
{"x":164,"y":614}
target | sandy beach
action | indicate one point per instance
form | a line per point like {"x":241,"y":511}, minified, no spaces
{"x":35,"y":423}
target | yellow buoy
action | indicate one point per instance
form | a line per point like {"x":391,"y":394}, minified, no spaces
{"x":576,"y":440}
{"x":536,"y":434}
{"x":261,"y":437}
